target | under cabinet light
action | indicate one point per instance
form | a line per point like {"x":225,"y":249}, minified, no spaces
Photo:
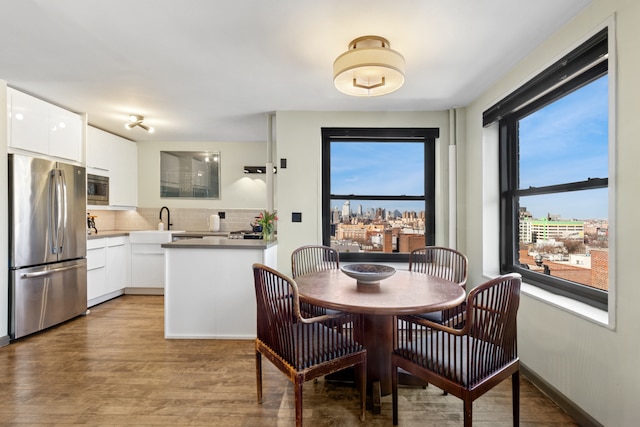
{"x":258,"y":169}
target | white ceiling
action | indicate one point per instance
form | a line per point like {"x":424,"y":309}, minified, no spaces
{"x":210,"y":70}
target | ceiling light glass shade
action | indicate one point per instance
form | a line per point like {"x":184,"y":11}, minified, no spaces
{"x":369,"y":68}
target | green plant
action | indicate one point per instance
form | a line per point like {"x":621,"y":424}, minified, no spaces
{"x":267,"y":220}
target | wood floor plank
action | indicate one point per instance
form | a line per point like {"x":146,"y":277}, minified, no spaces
{"x":113,"y":367}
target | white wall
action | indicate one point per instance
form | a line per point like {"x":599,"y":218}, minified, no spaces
{"x":299,"y":186}
{"x":238,"y":190}
{"x":594,"y":366}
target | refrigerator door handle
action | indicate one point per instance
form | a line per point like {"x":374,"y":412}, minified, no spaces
{"x":48,"y":272}
{"x":63,"y":214}
{"x":57,"y":197}
{"x":53,"y":211}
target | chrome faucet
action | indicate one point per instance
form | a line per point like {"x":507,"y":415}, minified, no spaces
{"x":168,"y":217}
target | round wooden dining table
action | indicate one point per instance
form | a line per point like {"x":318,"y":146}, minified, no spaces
{"x":405,"y":292}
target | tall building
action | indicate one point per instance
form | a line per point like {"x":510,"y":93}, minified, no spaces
{"x":346,"y":211}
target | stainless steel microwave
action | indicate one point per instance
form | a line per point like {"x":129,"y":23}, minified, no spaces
{"x":97,"y":190}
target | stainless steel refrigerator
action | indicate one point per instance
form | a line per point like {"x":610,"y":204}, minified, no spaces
{"x":47,"y":243}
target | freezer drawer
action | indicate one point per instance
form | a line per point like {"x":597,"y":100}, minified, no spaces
{"x":47,"y":295}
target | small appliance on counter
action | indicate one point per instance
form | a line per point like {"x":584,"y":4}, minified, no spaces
{"x":214,"y":223}
{"x":91,"y":223}
{"x":246,"y":234}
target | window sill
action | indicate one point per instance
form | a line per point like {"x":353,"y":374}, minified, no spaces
{"x":580,"y":309}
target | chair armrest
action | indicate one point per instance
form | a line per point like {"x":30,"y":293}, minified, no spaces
{"x":433,"y":325}
{"x":326,"y":317}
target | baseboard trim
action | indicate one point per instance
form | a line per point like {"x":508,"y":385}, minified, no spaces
{"x":144,"y":291}
{"x":103,"y":298}
{"x":574,"y":411}
{"x":4,"y":341}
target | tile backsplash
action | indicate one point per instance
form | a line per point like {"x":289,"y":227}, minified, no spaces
{"x":182,"y":219}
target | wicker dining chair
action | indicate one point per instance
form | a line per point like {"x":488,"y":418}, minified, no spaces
{"x":445,"y":263}
{"x":302,"y":348}
{"x":469,"y":360}
{"x":310,"y":259}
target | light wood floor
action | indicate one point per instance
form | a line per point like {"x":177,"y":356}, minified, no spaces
{"x":114,"y":367}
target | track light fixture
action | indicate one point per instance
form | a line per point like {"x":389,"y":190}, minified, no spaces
{"x":136,"y":120}
{"x":258,"y":169}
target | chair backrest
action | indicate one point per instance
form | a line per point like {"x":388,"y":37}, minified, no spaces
{"x":299,"y":342}
{"x":278,"y":308}
{"x":312,"y":258}
{"x":492,"y":308}
{"x":441,"y":262}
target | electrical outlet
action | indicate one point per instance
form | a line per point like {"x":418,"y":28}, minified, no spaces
{"x":221,"y":215}
{"x":296,"y":216}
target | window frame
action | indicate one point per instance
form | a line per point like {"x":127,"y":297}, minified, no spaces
{"x":427,"y":136}
{"x":582,"y":66}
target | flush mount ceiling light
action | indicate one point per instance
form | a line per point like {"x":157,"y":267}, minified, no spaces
{"x":136,"y":120}
{"x":369,"y":68}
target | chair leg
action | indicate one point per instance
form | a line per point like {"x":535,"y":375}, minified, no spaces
{"x":468,"y":412}
{"x":259,"y":375}
{"x":363,"y":388}
{"x":515,"y":389}
{"x":394,"y":393}
{"x":297,"y":387}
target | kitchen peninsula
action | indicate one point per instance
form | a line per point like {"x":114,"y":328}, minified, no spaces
{"x":209,"y":291}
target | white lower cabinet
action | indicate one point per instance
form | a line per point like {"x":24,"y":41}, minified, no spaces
{"x":147,"y":265}
{"x":96,"y":271}
{"x":148,"y":261}
{"x":107,"y":268}
{"x":117,"y":268}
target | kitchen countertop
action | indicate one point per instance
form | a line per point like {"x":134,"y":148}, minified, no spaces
{"x":219,"y":242}
{"x":204,"y":233}
{"x":107,"y":233}
{"x":192,"y":233}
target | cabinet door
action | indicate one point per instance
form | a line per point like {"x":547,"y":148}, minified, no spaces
{"x":29,"y":123}
{"x":98,"y":150}
{"x":116,"y":264}
{"x":44,"y":128}
{"x":123,"y":185}
{"x":147,"y":265}
{"x":96,"y":272}
{"x":65,"y":134}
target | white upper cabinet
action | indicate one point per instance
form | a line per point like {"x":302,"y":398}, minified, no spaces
{"x":65,"y":134}
{"x":29,"y":129}
{"x":115,"y":157}
{"x":98,"y":151}
{"x":40,"y":127}
{"x":123,"y":170}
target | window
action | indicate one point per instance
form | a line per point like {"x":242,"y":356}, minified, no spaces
{"x":554,"y":145}
{"x":378,"y":191}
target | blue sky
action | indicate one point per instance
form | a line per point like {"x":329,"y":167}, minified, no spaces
{"x":378,"y":168}
{"x":563,"y":142}
{"x":567,"y":141}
